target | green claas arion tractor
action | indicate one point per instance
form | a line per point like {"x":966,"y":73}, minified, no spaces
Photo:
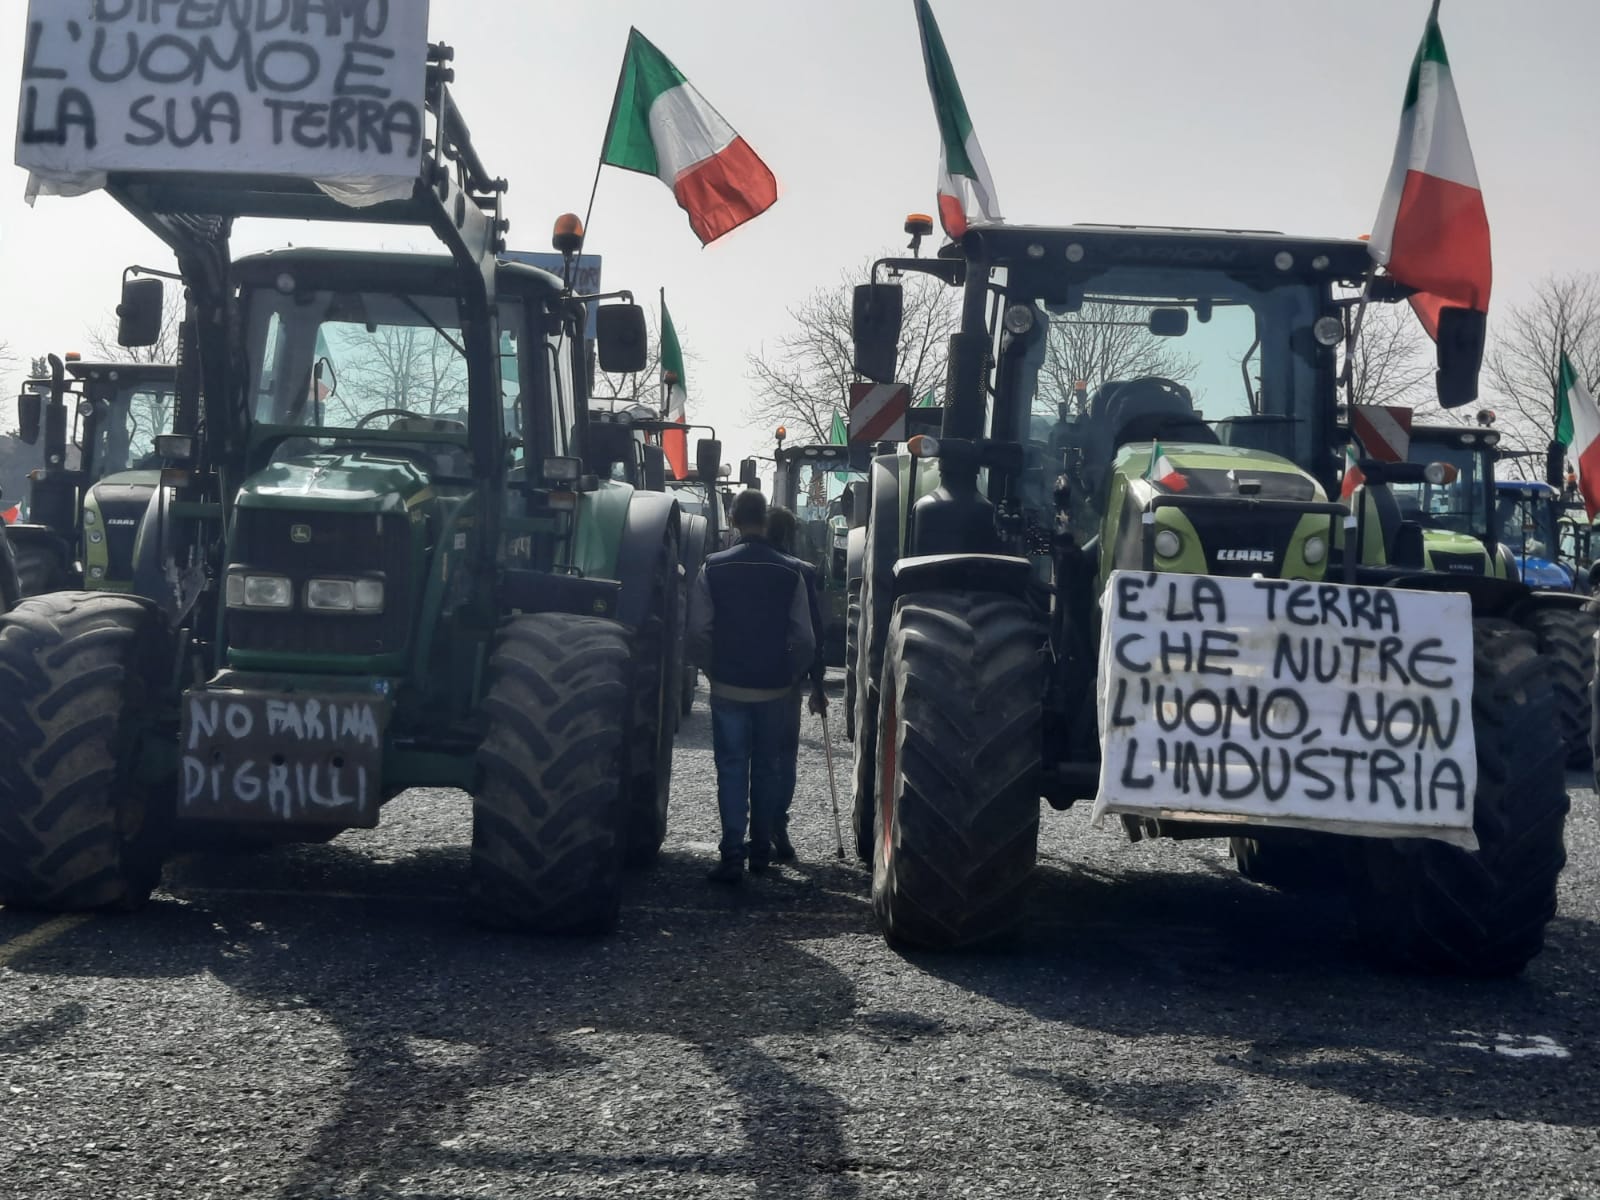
{"x":1208,"y":449}
{"x":378,"y":557}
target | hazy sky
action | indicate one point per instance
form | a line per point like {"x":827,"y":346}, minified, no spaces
{"x":1265,"y":114}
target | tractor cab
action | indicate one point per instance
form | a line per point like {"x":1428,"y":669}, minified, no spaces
{"x":1527,"y":512}
{"x":815,"y":482}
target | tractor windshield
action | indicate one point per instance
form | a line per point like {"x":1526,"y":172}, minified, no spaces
{"x":1527,"y":524}
{"x":125,"y":432}
{"x":1460,"y":505}
{"x":352,"y":360}
{"x":1174,"y":356}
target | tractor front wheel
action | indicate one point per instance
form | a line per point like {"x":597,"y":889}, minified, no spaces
{"x":547,"y":818}
{"x":1567,"y":641}
{"x":1427,"y":905}
{"x":958,"y":750}
{"x":78,"y":830}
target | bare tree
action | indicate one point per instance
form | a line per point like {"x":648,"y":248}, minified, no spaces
{"x":104,"y":347}
{"x":641,"y":387}
{"x":1099,"y":343}
{"x":805,"y":378}
{"x":400,"y":366}
{"x":1393,"y":360}
{"x":1562,"y":315}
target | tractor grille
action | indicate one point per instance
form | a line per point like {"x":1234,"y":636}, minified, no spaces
{"x":1243,"y":540}
{"x":341,"y":545}
{"x":122,"y":509}
{"x":1458,"y":564}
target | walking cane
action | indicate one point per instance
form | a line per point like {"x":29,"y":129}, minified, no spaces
{"x":833,"y":788}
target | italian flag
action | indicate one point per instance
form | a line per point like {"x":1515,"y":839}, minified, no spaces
{"x":1353,"y":475}
{"x":1578,"y":425}
{"x":674,"y":441}
{"x":964,"y":183}
{"x":1432,"y":232}
{"x":661,"y":126}
{"x":1161,"y":471}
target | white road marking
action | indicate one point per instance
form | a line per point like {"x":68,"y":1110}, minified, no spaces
{"x":40,"y":935}
{"x":1514,"y":1045}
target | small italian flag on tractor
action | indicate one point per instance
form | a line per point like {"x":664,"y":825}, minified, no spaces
{"x":1578,"y":428}
{"x":1353,"y":475}
{"x":660,"y":125}
{"x":1162,"y":473}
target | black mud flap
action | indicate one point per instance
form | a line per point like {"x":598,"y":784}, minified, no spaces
{"x":282,"y":758}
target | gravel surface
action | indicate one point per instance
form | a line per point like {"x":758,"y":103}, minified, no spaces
{"x":322,"y":1022}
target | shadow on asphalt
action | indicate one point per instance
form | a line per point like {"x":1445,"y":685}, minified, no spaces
{"x":434,"y":1014}
{"x":1164,"y":954}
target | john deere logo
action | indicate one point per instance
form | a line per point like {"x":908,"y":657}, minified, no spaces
{"x":300,"y":534}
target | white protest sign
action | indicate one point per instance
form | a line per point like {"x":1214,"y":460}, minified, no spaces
{"x":1278,"y":702}
{"x":327,"y":90}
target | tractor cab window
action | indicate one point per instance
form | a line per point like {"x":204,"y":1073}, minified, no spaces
{"x":125,"y":429}
{"x":1460,"y":505}
{"x":815,"y":493}
{"x":558,"y":354}
{"x":1169,"y":356}
{"x":369,"y":360}
{"x":1527,"y":525}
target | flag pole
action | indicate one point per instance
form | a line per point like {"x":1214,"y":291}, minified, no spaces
{"x":661,"y":370}
{"x":611,"y":124}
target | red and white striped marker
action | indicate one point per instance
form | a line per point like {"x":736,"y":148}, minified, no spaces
{"x":878,"y":412}
{"x":1384,"y":431}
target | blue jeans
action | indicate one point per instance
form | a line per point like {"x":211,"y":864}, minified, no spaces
{"x":747,"y":742}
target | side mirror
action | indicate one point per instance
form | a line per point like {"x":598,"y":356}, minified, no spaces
{"x":1169,"y":322}
{"x":139,"y":312}
{"x":1555,"y":463}
{"x":655,"y":469}
{"x":608,"y":443}
{"x":707,"y":459}
{"x":875,"y":317}
{"x":621,"y":338}
{"x":749,"y":475}
{"x":855,"y":503}
{"x":1462,"y":332}
{"x":30,"y":413}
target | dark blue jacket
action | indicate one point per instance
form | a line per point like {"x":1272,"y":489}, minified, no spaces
{"x":750,"y":622}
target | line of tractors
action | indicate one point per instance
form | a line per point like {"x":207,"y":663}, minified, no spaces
{"x":265,"y":589}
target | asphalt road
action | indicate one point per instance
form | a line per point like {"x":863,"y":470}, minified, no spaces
{"x":321,"y":1022}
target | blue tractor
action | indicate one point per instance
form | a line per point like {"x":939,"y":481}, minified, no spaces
{"x":1528,"y":514}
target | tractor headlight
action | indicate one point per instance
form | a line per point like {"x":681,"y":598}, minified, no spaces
{"x":345,"y":595}
{"x":1314,"y":550}
{"x":259,"y":591}
{"x":1169,"y":544}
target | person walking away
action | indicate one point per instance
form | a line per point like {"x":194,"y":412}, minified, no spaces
{"x":782,"y":531}
{"x":750,"y":625}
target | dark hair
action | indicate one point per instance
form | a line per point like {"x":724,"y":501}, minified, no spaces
{"x":782,"y":525}
{"x":749,"y":511}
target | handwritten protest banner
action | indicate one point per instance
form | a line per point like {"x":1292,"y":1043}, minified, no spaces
{"x":330,"y":90}
{"x":1280,"y":702}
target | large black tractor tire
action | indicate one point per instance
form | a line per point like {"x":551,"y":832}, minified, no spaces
{"x":78,"y":830}
{"x":959,"y":726}
{"x":10,"y":583}
{"x":41,"y":570}
{"x":1422,"y":904}
{"x":547,"y":818}
{"x":657,"y":700}
{"x":852,"y":619}
{"x":1567,"y":642}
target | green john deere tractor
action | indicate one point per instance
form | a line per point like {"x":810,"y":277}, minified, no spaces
{"x":988,"y":549}
{"x":1441,"y":511}
{"x":89,"y":499}
{"x":379,"y":557}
